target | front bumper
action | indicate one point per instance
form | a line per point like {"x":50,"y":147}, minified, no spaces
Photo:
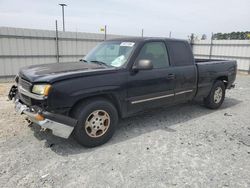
{"x":60,"y":125}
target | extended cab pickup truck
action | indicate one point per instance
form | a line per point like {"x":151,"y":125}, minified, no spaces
{"x":117,"y":79}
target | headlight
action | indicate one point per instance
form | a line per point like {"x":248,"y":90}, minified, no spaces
{"x":41,"y":89}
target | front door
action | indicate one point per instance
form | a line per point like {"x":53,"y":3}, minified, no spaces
{"x":151,"y":88}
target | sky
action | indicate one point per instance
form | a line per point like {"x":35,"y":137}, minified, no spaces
{"x":155,"y":17}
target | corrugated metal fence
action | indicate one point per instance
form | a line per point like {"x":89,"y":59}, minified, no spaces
{"x":225,"y":49}
{"x":21,"y":47}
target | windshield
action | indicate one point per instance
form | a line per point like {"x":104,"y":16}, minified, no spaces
{"x":111,"y":53}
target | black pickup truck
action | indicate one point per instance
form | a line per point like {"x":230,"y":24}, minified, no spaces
{"x":117,"y":79}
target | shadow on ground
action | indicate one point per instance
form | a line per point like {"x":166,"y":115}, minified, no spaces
{"x":157,"y":119}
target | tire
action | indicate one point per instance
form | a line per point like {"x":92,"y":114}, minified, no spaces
{"x":216,"y":95}
{"x":97,"y":121}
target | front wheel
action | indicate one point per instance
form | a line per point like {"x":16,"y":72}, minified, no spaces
{"x":97,"y":120}
{"x":216,"y":95}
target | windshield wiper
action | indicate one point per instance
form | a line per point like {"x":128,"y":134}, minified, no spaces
{"x":99,"y":63}
{"x":83,"y":60}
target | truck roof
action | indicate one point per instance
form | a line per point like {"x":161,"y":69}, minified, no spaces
{"x":140,"y":39}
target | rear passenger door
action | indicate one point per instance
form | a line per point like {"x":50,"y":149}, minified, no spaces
{"x":182,"y":62}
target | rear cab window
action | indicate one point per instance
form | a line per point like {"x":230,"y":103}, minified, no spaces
{"x":180,"y":53}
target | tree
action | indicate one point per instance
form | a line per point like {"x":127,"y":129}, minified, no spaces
{"x":232,"y":36}
{"x":204,"y":37}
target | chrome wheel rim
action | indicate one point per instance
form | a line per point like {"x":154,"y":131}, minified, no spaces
{"x":97,"y":123}
{"x":218,"y":95}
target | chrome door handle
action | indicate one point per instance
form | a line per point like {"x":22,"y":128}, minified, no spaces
{"x":171,"y":76}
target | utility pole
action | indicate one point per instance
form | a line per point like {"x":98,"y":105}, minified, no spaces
{"x":63,"y":5}
{"x":142,"y":33}
{"x":192,"y":40}
{"x":211,"y":46}
{"x":105,"y":32}
{"x":57,"y":45}
{"x":170,"y":34}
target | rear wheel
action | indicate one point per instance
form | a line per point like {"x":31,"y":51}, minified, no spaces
{"x":97,"y":120}
{"x":216,"y":95}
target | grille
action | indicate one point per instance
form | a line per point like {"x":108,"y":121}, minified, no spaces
{"x":25,"y":84}
{"x":26,"y":100}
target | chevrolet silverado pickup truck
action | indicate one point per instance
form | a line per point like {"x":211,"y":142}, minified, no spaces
{"x":117,"y":79}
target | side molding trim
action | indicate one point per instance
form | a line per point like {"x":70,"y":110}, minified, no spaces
{"x":160,"y":97}
{"x":150,"y":99}
{"x":182,"y":92}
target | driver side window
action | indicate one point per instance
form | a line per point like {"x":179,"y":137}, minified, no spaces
{"x":156,"y":52}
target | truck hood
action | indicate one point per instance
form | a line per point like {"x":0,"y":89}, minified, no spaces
{"x":59,"y":71}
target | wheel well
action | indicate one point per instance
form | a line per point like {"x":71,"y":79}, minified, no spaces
{"x":224,"y":79}
{"x":109,"y":97}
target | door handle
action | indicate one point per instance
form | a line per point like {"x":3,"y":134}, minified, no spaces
{"x":171,"y":76}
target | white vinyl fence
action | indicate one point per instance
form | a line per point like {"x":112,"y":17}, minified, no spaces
{"x":20,"y":47}
{"x":225,"y":49}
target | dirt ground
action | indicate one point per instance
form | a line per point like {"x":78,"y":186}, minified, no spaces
{"x":182,"y":146}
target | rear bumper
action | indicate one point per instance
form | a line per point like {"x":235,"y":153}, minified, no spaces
{"x":60,"y":125}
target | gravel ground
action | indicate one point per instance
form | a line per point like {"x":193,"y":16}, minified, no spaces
{"x":182,"y":146}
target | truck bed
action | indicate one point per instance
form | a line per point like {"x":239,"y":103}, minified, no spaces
{"x":212,"y":69}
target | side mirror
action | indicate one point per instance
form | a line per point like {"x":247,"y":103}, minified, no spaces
{"x":143,"y":64}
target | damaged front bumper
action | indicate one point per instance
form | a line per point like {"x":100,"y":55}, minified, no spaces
{"x":60,"y":125}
